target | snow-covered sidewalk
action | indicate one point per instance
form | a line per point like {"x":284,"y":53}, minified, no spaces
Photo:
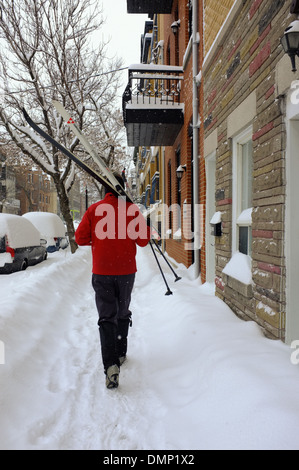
{"x":196,"y":377}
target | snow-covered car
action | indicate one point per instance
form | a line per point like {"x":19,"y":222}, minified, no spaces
{"x":20,"y":244}
{"x":51,"y":228}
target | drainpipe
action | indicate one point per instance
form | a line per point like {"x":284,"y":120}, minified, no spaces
{"x":196,"y":212}
{"x":162,"y":152}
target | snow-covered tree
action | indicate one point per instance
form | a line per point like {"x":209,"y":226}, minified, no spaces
{"x":46,"y":53}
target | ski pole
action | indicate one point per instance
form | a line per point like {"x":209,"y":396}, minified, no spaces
{"x":177,"y":278}
{"x":168,"y":289}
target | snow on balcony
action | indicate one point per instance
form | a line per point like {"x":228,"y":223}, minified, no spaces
{"x":152,"y":107}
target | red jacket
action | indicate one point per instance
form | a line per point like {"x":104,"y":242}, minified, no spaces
{"x":113,"y":227}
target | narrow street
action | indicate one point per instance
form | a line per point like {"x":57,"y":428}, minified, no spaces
{"x":196,"y":376}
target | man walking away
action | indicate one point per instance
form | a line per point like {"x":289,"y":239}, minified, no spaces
{"x":113,"y":228}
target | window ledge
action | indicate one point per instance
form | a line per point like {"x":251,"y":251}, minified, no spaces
{"x":237,"y":274}
{"x":178,"y":235}
{"x":245,"y":218}
{"x":244,"y":289}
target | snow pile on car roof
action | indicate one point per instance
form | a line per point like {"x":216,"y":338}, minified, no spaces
{"x":19,"y":231}
{"x":48,"y":224}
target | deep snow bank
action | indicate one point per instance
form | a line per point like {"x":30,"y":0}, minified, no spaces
{"x":197,"y":377}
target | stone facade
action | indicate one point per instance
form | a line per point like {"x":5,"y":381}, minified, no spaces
{"x":239,"y":86}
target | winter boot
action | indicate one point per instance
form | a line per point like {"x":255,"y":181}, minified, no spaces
{"x":122,"y":338}
{"x":112,"y":377}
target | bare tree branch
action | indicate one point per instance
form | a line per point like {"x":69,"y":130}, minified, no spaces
{"x":46,"y":53}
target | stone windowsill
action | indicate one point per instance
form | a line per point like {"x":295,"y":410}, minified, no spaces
{"x":243,"y":289}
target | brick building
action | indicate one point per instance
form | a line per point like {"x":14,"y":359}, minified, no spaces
{"x":179,"y":191}
{"x":242,"y":187}
{"x":8,"y":194}
{"x":163,"y":127}
{"x":35,"y":191}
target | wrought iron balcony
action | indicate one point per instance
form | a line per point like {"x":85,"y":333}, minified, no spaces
{"x":152,"y":108}
{"x":149,"y":6}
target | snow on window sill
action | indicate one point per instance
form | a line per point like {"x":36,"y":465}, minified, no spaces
{"x":245,"y":218}
{"x":178,"y":235}
{"x":239,"y":268}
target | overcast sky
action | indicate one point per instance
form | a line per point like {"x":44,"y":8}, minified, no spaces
{"x":123,"y":30}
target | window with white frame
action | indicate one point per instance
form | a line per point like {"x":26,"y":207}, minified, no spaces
{"x":242,"y":189}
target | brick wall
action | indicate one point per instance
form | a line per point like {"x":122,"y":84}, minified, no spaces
{"x":245,"y":63}
{"x":214,"y":15}
{"x":177,"y":248}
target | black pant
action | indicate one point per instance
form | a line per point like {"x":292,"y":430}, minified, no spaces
{"x":113,"y":297}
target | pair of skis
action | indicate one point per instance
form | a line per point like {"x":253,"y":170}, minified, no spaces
{"x":84,"y":166}
{"x":108,"y":180}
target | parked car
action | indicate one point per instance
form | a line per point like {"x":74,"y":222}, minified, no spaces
{"x":20,"y":244}
{"x":51,"y":229}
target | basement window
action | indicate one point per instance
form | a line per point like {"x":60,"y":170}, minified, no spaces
{"x":242,"y":192}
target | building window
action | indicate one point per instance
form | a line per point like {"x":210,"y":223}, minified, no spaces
{"x":177,"y":208}
{"x":177,"y":43}
{"x":242,"y":197}
{"x":169,"y":197}
{"x":158,"y":190}
{"x":157,"y":163}
{"x":190,"y":18}
{"x":168,"y":62}
{"x":179,"y":185}
{"x":155,"y":188}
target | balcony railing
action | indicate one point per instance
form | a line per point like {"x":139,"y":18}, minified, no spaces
{"x":152,"y":107}
{"x":149,"y":6}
